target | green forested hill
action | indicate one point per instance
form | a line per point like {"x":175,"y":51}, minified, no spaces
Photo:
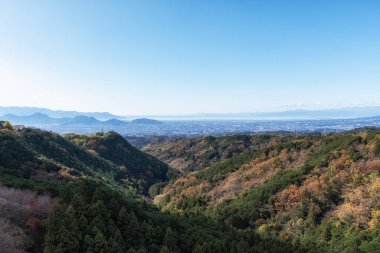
{"x":192,"y":154}
{"x":146,"y":170}
{"x":281,"y":193}
{"x":45,"y":155}
{"x":317,"y":193}
{"x":95,"y":208}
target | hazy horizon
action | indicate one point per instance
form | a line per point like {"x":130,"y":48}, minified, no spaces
{"x":354,"y":110}
{"x":269,"y":109}
{"x":189,"y":57}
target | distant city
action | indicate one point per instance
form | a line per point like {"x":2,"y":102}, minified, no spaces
{"x":88,"y":123}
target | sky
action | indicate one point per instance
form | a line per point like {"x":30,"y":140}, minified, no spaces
{"x":176,"y":57}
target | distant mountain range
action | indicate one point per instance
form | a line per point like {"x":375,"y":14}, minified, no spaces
{"x":39,"y":119}
{"x":341,"y":113}
{"x":299,"y":114}
{"x":27,"y":111}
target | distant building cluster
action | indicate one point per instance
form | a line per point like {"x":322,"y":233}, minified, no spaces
{"x":198,"y":128}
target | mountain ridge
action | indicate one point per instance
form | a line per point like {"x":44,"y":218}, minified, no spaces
{"x":26,"y":111}
{"x":296,"y":114}
{"x":39,"y":119}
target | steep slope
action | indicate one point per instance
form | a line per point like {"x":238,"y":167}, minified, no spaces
{"x":44,"y":155}
{"x":192,"y":154}
{"x":141,"y":141}
{"x":93,"y":213}
{"x":32,"y":154}
{"x":132,"y":163}
{"x":232,"y":177}
{"x":294,"y":193}
{"x":320,"y":194}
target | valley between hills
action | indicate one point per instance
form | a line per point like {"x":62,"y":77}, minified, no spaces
{"x":189,"y":126}
{"x":264,"y":192}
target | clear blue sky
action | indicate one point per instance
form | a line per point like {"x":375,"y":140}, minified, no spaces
{"x":186,"y":56}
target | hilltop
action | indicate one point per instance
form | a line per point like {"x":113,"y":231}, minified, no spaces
{"x":133,"y":163}
{"x":46,"y":155}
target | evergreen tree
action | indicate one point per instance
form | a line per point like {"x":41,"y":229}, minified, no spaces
{"x":170,"y":240}
{"x":164,"y":249}
{"x":66,"y":236}
{"x":100,"y":243}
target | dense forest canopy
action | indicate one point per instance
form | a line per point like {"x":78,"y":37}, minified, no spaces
{"x":275,"y":192}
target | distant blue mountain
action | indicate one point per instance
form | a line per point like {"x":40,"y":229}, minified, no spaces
{"x":26,"y":111}
{"x":146,"y":121}
{"x":300,"y":114}
{"x":82,"y":120}
{"x":143,"y":127}
{"x":39,"y":119}
{"x":115,"y":122}
{"x":34,"y":119}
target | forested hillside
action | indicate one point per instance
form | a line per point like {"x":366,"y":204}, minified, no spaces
{"x":57,"y":195}
{"x":192,"y":154}
{"x":318,"y":193}
{"x":274,"y":192}
{"x":143,"y":169}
